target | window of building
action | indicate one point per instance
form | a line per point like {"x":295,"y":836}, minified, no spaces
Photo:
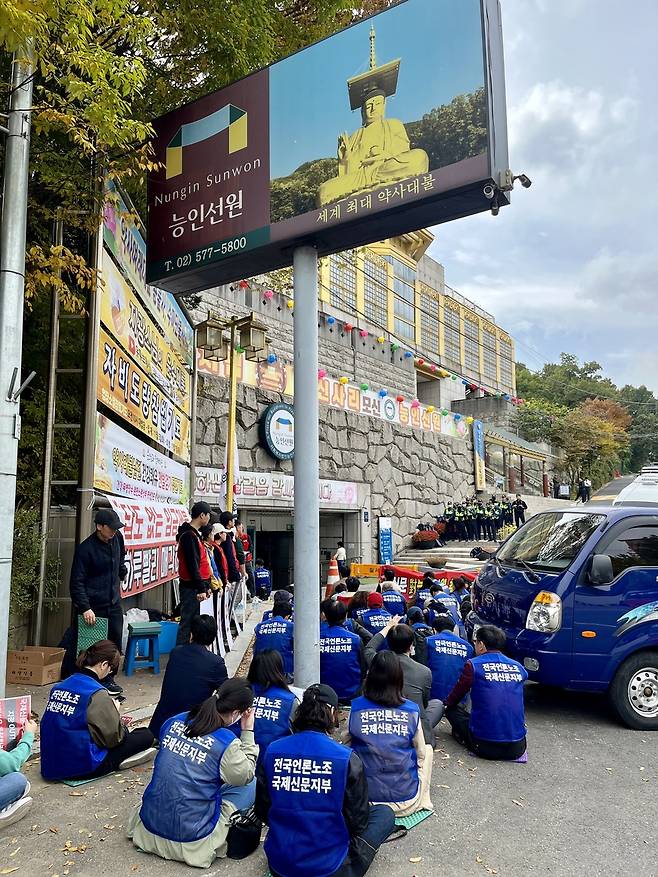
{"x":489,"y":354}
{"x":471,"y":345}
{"x":342,"y":281}
{"x":506,"y":359}
{"x":429,"y":321}
{"x":451,"y":330}
{"x":375,"y":291}
{"x":404,"y":297}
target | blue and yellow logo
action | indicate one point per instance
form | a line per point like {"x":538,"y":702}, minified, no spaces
{"x":230,"y":117}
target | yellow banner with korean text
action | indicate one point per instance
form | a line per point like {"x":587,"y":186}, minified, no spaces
{"x":124,"y":388}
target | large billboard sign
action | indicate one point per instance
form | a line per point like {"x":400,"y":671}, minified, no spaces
{"x":308,"y":151}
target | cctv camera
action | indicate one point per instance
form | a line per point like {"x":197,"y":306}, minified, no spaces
{"x":525,"y":181}
{"x":495,"y":206}
{"x":489,"y":192}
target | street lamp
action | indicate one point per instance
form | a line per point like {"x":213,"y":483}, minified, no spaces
{"x":253,"y":341}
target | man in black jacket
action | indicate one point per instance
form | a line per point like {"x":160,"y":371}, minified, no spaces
{"x":194,"y":568}
{"x":193,"y":673}
{"x":99,"y":564}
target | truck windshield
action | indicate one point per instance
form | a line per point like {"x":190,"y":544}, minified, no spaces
{"x":550,"y":541}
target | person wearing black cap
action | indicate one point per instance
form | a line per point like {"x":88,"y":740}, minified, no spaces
{"x":313,"y":794}
{"x":99,"y":564}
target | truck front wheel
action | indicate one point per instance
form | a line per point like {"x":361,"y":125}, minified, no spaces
{"x":634,"y":691}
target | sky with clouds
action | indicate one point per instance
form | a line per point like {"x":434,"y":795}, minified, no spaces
{"x":572,"y":264}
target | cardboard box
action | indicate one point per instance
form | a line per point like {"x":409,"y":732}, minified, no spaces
{"x":34,"y":665}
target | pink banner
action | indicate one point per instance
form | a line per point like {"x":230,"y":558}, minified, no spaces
{"x":150,"y":536}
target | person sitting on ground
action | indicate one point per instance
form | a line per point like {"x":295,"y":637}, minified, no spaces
{"x":15,"y":800}
{"x":193,"y":673}
{"x":263,"y":580}
{"x":386,"y":733}
{"x":320,"y":822}
{"x":440,"y":603}
{"x":466,"y":608}
{"x":82,"y":735}
{"x":446,"y":656}
{"x":353,"y":584}
{"x":394,"y":602}
{"x":275,"y":704}
{"x":278,"y":633}
{"x":376,"y":618}
{"x":280,"y":596}
{"x":416,"y":621}
{"x":203,"y":773}
{"x":495,"y":726}
{"x":358,"y":606}
{"x":423,"y":595}
{"x":417,"y":678}
{"x":342,"y":664}
{"x":460,"y":588}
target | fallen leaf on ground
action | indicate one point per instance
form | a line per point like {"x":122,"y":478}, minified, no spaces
{"x":518,"y":803}
{"x":8,"y":870}
{"x":54,"y":830}
{"x":77,"y":794}
{"x":415,"y":859}
{"x":11,"y":855}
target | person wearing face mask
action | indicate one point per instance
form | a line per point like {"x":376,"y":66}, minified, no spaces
{"x":203,"y":773}
{"x":82,"y":735}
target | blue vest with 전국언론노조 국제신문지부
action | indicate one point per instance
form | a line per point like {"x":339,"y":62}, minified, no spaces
{"x":182,"y":802}
{"x":272,"y":711}
{"x":497,"y":708}
{"x":446,"y":656}
{"x":340,"y":666}
{"x":375,"y":620}
{"x":306,"y":775}
{"x":382,"y":737}
{"x":279,"y":634}
{"x":67,"y":748}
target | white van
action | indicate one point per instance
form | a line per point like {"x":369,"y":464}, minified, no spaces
{"x":641,"y":492}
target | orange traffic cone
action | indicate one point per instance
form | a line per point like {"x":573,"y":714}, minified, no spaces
{"x":332,"y":578}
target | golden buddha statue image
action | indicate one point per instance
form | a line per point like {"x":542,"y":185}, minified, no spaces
{"x":378,"y":153}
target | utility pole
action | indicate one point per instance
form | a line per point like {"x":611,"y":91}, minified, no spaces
{"x":12,"y":287}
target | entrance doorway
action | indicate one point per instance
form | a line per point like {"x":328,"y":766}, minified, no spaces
{"x":275,"y":548}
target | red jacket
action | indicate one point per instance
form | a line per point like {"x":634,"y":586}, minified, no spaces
{"x":246,"y":544}
{"x":194,"y":568}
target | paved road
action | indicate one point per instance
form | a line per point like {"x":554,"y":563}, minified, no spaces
{"x":586,"y":803}
{"x":606,"y":494}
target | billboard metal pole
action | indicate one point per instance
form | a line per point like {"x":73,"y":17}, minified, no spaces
{"x":232,"y":410}
{"x":12,"y":286}
{"x":306,"y":469}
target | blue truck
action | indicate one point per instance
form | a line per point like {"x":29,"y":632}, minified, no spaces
{"x":576,"y":592}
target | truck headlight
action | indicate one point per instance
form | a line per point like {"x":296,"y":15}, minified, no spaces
{"x":545,"y":615}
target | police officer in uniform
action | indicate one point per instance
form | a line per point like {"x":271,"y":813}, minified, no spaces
{"x":342,"y":664}
{"x":446,"y":656}
{"x":278,"y":633}
{"x":449,"y":516}
{"x":313,"y":794}
{"x":495,"y":726}
{"x":460,"y":523}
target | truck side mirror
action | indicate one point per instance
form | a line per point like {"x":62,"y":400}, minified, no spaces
{"x":601,"y":572}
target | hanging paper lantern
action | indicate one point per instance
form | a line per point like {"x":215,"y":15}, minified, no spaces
{"x":383,"y":393}
{"x":464,"y":382}
{"x":239,"y":349}
{"x":348,"y":327}
{"x":433,"y":367}
{"x":381,"y":339}
{"x":420,"y":361}
{"x":321,"y":374}
{"x":395,"y":347}
{"x":430,"y":409}
{"x":458,"y":416}
{"x":363,"y":333}
{"x":415,"y":404}
{"x":408,"y":354}
{"x":271,"y":358}
{"x":268,"y":294}
{"x":364,"y":386}
{"x":473,"y":386}
{"x":344,"y":380}
{"x":290,"y":304}
{"x":453,"y":377}
{"x":469,"y":420}
{"x":399,"y":398}
{"x":243,"y":284}
{"x":444,"y":412}
{"x":331,"y":321}
{"x":507,"y":397}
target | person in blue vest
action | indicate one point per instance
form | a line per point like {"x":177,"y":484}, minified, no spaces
{"x":278,"y":632}
{"x":394,"y":602}
{"x":460,"y":588}
{"x":275,"y":704}
{"x":82,"y":735}
{"x":342,"y":664}
{"x":263,"y":580}
{"x":495,"y":726}
{"x":203,"y":773}
{"x":376,"y":618}
{"x":280,"y":596}
{"x":439,"y":603}
{"x":416,"y":621}
{"x":313,"y":794}
{"x":386,"y":733}
{"x":446,"y":656}
{"x":423,"y":594}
